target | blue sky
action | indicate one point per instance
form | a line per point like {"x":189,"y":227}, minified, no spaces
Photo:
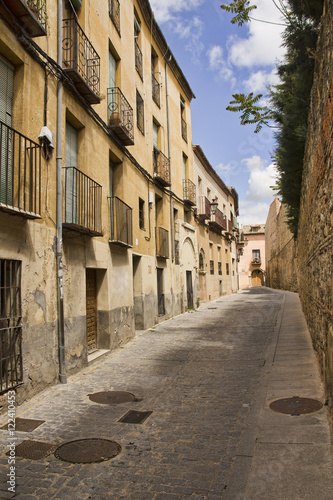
{"x":220,"y":59}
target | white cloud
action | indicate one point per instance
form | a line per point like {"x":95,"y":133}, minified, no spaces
{"x":190,"y":30}
{"x":262,"y":177}
{"x":263,"y":44}
{"x":252,"y":213}
{"x":164,"y":10}
{"x":219,"y":64}
{"x":260,"y":80}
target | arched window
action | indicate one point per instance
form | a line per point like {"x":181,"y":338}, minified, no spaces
{"x":202,"y":261}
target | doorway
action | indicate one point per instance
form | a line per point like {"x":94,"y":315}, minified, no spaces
{"x":257,"y":278}
{"x":189,"y":289}
{"x":160,"y":294}
{"x":91,"y":310}
{"x":137,"y":293}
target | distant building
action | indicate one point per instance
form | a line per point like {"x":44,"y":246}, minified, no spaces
{"x":251,"y":256}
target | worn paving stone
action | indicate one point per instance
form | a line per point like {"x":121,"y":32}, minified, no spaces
{"x":199,"y":374}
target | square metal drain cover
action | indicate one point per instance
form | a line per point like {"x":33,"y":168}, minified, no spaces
{"x":135,"y":417}
{"x":25,"y":424}
{"x":33,"y":450}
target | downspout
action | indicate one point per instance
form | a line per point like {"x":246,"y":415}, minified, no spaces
{"x":169,"y":154}
{"x":60,"y":290}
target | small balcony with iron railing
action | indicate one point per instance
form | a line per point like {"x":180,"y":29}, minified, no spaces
{"x":218,"y":220}
{"x":82,"y":203}
{"x":203,"y":208}
{"x":20,"y":174}
{"x":121,"y":223}
{"x":189,"y":192}
{"x":156,"y":92}
{"x":114,"y":13}
{"x":161,"y":166}
{"x":120,"y":116}
{"x":138,"y":59}
{"x":184,"y":129}
{"x":81,"y":61}
{"x":256,"y":261}
{"x":31,"y":15}
{"x":162,"y":243}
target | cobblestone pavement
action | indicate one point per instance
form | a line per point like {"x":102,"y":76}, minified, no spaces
{"x":198,"y":373}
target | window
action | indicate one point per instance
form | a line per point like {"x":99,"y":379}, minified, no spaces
{"x":254,"y":229}
{"x":211,"y":267}
{"x":256,"y":255}
{"x":140,"y":113}
{"x":114,"y":13}
{"x":137,"y":44}
{"x":219,"y":265}
{"x":227,"y":269}
{"x":71,"y":212}
{"x":10,"y":324}
{"x":209,"y":194}
{"x":201,"y":262}
{"x":154,"y":78}
{"x":141,"y":214}
{"x":156,"y":135}
{"x":183,"y":118}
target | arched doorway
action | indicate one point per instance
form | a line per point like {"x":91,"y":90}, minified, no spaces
{"x":257,"y":278}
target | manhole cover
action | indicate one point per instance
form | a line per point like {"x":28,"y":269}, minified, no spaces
{"x":25,"y":424}
{"x":112,"y":397}
{"x":33,"y":450}
{"x":87,"y":451}
{"x":296,"y":405}
{"x":135,"y":417}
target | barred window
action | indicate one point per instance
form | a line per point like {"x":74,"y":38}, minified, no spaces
{"x":10,"y":324}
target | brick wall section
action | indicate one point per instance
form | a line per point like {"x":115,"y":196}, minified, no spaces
{"x":315,"y":240}
{"x":281,"y":259}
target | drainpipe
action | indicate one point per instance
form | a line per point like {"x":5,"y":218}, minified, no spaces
{"x":169,"y":154}
{"x":60,"y":290}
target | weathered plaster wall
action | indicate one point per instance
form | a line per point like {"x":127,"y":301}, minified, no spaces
{"x":281,"y":250}
{"x":315,"y":240}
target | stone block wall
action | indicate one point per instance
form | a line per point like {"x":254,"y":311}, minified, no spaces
{"x":315,"y":235}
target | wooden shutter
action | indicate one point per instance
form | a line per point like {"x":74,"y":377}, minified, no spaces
{"x":71,"y":213}
{"x":6,"y":104}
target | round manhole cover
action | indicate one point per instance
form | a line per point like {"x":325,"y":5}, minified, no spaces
{"x":112,"y":397}
{"x":296,"y":405}
{"x":86,"y":451}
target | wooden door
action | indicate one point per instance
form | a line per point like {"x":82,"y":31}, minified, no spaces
{"x":91,"y":312}
{"x":257,"y":278}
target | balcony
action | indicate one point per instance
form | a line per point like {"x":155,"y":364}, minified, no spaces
{"x":161,"y":166}
{"x":31,"y":15}
{"x":138,"y":59}
{"x":162,"y":243}
{"x":121,"y":223}
{"x":203,"y":211}
{"x":229,"y":227}
{"x":20,"y":169}
{"x":120,"y":116}
{"x":184,"y":129}
{"x":256,"y":261}
{"x":218,"y":221}
{"x":156,"y":90}
{"x":114,"y":13}
{"x":189,"y":192}
{"x":82,"y":203}
{"x":80,"y":61}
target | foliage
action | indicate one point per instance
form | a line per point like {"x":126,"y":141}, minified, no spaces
{"x":242,"y":10}
{"x":290,"y":100}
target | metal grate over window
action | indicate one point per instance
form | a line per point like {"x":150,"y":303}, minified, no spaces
{"x":10,"y":324}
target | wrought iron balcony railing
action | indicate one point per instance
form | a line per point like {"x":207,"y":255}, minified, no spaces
{"x":20,"y":173}
{"x":203,"y":211}
{"x":184,"y":129}
{"x":82,"y":202}
{"x":114,"y":13}
{"x":161,"y":166}
{"x":31,"y":14}
{"x":120,"y":115}
{"x":189,"y":192}
{"x":121,"y":223}
{"x":156,"y":90}
{"x":162,"y":243}
{"x":256,"y":261}
{"x":218,"y":220}
{"x":138,"y":59}
{"x":81,"y":61}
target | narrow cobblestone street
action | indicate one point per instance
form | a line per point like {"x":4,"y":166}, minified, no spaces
{"x":206,"y":377}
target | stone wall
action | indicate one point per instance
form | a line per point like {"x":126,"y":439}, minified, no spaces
{"x":281,"y":251}
{"x":315,"y":240}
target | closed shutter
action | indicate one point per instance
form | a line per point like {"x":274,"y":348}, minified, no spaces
{"x":155,"y":135}
{"x":113,"y":104}
{"x":6,"y":104}
{"x":71,"y":212}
